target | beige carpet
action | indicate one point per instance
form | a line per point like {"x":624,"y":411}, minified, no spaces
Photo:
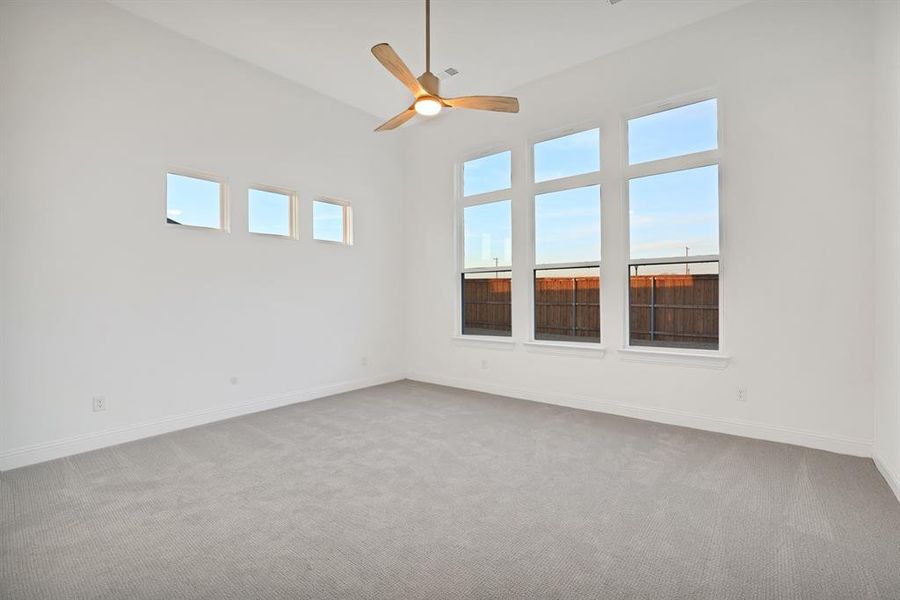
{"x":410,"y":490}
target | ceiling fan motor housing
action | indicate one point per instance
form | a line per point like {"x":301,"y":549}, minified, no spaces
{"x":431,"y":83}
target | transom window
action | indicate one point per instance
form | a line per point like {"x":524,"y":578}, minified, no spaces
{"x":675,"y":132}
{"x":271,"y":212}
{"x":195,"y":200}
{"x":673,"y":225}
{"x":332,"y":221}
{"x":487,"y":174}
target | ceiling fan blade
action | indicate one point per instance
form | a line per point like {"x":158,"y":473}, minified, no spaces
{"x":393,"y":63}
{"x":397,"y":120}
{"x":495,"y":103}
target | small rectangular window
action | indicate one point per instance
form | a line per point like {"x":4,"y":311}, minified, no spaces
{"x":270,"y":212}
{"x":567,"y":226}
{"x":195,"y":201}
{"x":675,"y":132}
{"x":487,"y":174}
{"x":674,"y":305}
{"x":675,"y":214}
{"x":567,"y":304}
{"x":487,"y":229}
{"x":331,"y":221}
{"x":573,"y":154}
{"x":487,"y":303}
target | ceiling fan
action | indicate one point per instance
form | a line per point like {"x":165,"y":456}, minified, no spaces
{"x":425,"y":88}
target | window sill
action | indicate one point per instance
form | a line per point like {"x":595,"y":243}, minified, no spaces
{"x":577,"y":349}
{"x":699,"y":359}
{"x":485,"y":341}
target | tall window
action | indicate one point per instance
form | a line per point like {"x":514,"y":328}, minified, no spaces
{"x":271,"y":212}
{"x":486,"y":274}
{"x":567,"y":238}
{"x":673,"y":202}
{"x":195,"y":200}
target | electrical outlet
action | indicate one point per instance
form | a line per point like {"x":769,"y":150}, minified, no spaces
{"x":741,"y":394}
{"x":484,"y":364}
{"x":364,"y":361}
{"x":233,"y":380}
{"x":99,"y":403}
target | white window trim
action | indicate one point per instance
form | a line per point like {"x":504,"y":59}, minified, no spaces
{"x":463,"y":202}
{"x":293,"y":211}
{"x":663,"y":354}
{"x":675,"y":357}
{"x":578,"y":349}
{"x":498,"y":342}
{"x":347,"y":214}
{"x":594,"y":349}
{"x":224,"y":213}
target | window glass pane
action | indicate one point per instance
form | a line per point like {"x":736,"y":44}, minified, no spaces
{"x":567,"y":226}
{"x":568,"y":155}
{"x":193,"y":201}
{"x":486,"y":303}
{"x":675,"y":305}
{"x":488,"y":235}
{"x":675,"y":214}
{"x":567,"y":304}
{"x":269,"y":212}
{"x":487,"y":174}
{"x":328,"y":221}
{"x":683,"y":130}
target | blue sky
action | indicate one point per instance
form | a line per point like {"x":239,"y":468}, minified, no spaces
{"x":567,"y":226}
{"x":671,"y":211}
{"x":192,"y":201}
{"x":683,"y":130}
{"x":569,"y":155}
{"x":268,"y":212}
{"x":487,"y":174}
{"x":488,"y":234}
{"x":328,"y":221}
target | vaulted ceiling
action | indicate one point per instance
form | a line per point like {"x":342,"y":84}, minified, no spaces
{"x":495,"y":45}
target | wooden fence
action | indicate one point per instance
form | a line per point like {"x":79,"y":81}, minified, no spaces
{"x":672,"y":310}
{"x":566,"y":308}
{"x":679,"y":310}
{"x":487,"y":306}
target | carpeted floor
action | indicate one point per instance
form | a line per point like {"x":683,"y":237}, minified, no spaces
{"x":410,"y":490}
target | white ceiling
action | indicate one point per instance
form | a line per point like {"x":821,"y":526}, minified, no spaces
{"x":495,"y":45}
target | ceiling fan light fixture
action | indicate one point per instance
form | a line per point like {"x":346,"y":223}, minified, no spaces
{"x":425,"y":88}
{"x":428,"y":106}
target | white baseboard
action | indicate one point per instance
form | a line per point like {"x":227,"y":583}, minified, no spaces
{"x":750,"y":429}
{"x":29,"y":455}
{"x":892,"y":478}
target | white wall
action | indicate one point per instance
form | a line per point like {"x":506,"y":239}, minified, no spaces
{"x":795,"y":86}
{"x":99,"y":296}
{"x":887,"y":239}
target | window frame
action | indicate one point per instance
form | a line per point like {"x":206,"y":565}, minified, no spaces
{"x":662,"y":166}
{"x":347,"y":217}
{"x":533,"y":189}
{"x":293,"y":210}
{"x":224,"y":213}
{"x":463,"y":202}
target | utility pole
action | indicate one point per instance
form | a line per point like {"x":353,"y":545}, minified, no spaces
{"x":687,"y":266}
